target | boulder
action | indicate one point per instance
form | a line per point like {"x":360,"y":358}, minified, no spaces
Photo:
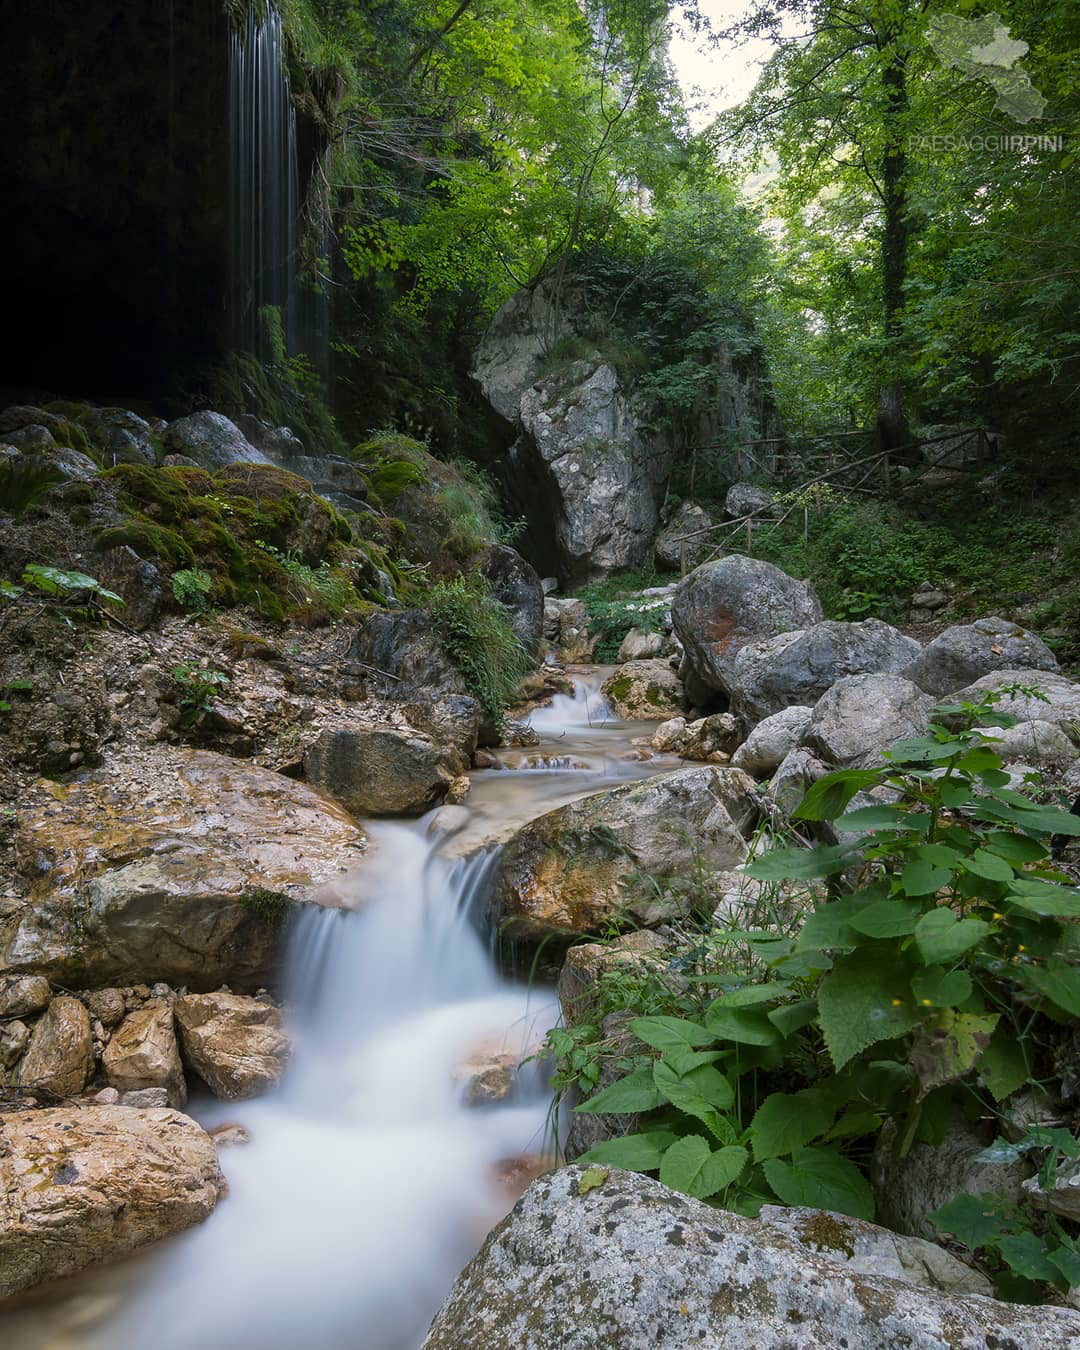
{"x":453,"y":723}
{"x":60,"y":1058}
{"x":78,"y":1186}
{"x":1060,"y":703}
{"x":1042,"y":745}
{"x":138,"y":583}
{"x":863,"y":715}
{"x":964,"y":653}
{"x":797,"y":773}
{"x":777,"y":673}
{"x":211,"y":440}
{"x":515,"y":584}
{"x":721,"y":606}
{"x":623,"y":856}
{"x":235,"y":1044}
{"x":403,"y":655}
{"x":599,"y":1257}
{"x":14,"y":1038}
{"x":376,"y":772}
{"x":707,"y":739}
{"x":771,"y":741}
{"x":644,"y":691}
{"x":747,"y":499}
{"x":686,"y":540}
{"x":566,"y":624}
{"x":184,"y":876}
{"x":22,"y":994}
{"x":586,"y":962}
{"x":142,"y":1053}
{"x":639,"y":645}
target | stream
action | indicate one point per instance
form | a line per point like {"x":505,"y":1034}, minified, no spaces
{"x":369,"y":1181}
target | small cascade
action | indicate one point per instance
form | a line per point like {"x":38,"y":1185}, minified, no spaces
{"x":567,"y":713}
{"x":265,"y":201}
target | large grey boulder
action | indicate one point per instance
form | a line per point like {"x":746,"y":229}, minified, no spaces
{"x":378,"y":772}
{"x":794,"y":777}
{"x":747,"y":499}
{"x":1060,"y":703}
{"x":516,"y":585}
{"x":964,"y":653}
{"x":863,"y":715}
{"x":687,"y":539}
{"x":606,"y":859}
{"x":610,"y":1260}
{"x":81,"y":1185}
{"x":644,"y":691}
{"x":211,"y":440}
{"x":775,"y":674}
{"x":772,"y":740}
{"x":403,"y":655}
{"x":721,"y":606}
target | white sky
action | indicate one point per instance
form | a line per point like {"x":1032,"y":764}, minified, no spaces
{"x":721,"y":77}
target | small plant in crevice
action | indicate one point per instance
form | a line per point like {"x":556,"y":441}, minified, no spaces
{"x":196,"y":689}
{"x":931,"y":980}
{"x":479,"y":639}
{"x":269,"y":907}
{"x":191,"y":589}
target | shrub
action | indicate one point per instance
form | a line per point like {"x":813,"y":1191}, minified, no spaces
{"x":479,"y":639}
{"x":196,"y":688}
{"x":614,"y":606}
{"x":191,"y":588}
{"x":929,"y":980}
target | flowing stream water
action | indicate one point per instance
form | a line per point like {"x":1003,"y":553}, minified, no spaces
{"x":369,"y":1180}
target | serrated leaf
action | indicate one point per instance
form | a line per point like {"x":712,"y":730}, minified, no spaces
{"x":635,"y":1092}
{"x":636,"y":1152}
{"x":1017,"y":848}
{"x":950,"y":1047}
{"x":684,"y":1060}
{"x":941,"y":937}
{"x":786,"y":1121}
{"x":691,"y":1166}
{"x":937,"y":988}
{"x":792,"y":1017}
{"x":887,"y":918}
{"x":699,"y":1096}
{"x":975,"y":1220}
{"x":664,"y":1033}
{"x":827,"y":798}
{"x":861,"y":1001}
{"x":1004,"y":1067}
{"x":821,"y":1179}
{"x":741,"y":1025}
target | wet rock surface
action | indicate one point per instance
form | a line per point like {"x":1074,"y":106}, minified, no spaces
{"x":235,"y":1044}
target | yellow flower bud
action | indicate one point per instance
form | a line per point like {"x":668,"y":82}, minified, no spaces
{"x":898,"y":1002}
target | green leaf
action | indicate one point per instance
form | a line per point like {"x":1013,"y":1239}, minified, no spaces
{"x":938,"y":855}
{"x":1067,"y":1261}
{"x":1043,"y":897}
{"x":887,"y":918}
{"x":792,"y":1017}
{"x":955,"y":793}
{"x":941,"y":937}
{"x":828,"y":797}
{"x":1026,"y":1255}
{"x":937,"y":988}
{"x":821,"y":1179}
{"x":592,"y":1179}
{"x":873,"y":818}
{"x":684,"y":1060}
{"x":988,"y":865}
{"x":786,"y":1121}
{"x":1004,"y":1066}
{"x":1059,"y":983}
{"x":949,"y":1047}
{"x":636,"y":1152}
{"x":697,"y":1095}
{"x":920,"y":877}
{"x":635,"y":1092}
{"x":752,"y":994}
{"x":861,"y":1001}
{"x":740,"y":1025}
{"x":692,"y":1167}
{"x":1017,"y":848}
{"x":800,"y":864}
{"x":664,"y":1033}
{"x":975,"y":1220}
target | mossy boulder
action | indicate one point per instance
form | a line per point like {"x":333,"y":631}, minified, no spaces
{"x":645,"y":691}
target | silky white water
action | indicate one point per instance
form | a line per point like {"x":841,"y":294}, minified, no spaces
{"x":566,"y":713}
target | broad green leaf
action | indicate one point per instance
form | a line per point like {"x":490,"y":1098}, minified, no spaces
{"x":691,"y":1166}
{"x":861,"y":1001}
{"x":635,"y":1092}
{"x":1059,"y":983}
{"x":941,"y":937}
{"x":1004,"y":1065}
{"x":792,"y":1017}
{"x":1067,"y":1261}
{"x":920,"y":877}
{"x":752,"y":994}
{"x":663,"y":1033}
{"x":955,"y":793}
{"x":828,"y":797}
{"x":874,"y":818}
{"x":744,"y":1026}
{"x":800,"y":864}
{"x":887,"y":918}
{"x":829,"y":926}
{"x":853,"y":1125}
{"x":821,"y":1179}
{"x":920,"y":750}
{"x":975,"y":1220}
{"x":989,"y":865}
{"x":684,"y":1060}
{"x":636,"y":1152}
{"x":1043,"y":897}
{"x":786,"y":1121}
{"x":938,"y":855}
{"x":1026,"y":1254}
{"x":1037,"y":819}
{"x":696,"y":1096}
{"x":1017,"y":848}
{"x":937,"y":988}
{"x":950,"y":1046}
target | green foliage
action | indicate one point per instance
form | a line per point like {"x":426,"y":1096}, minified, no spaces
{"x":23,"y":482}
{"x":479,"y":639}
{"x":197,"y":687}
{"x":331,"y":585}
{"x":269,"y":907}
{"x":615,"y":605}
{"x":933,"y":972}
{"x":64,"y":584}
{"x":191,"y":588}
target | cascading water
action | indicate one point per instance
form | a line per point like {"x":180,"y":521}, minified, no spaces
{"x":265,"y":201}
{"x":585,"y":707}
